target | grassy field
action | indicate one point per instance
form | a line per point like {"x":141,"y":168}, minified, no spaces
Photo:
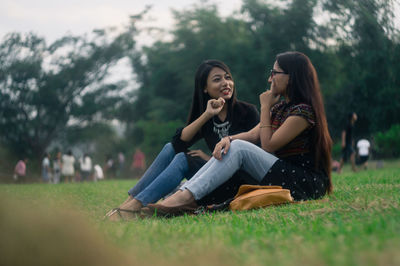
{"x":358,"y":225}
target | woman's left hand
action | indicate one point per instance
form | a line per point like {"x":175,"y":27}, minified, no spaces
{"x":224,"y":144}
{"x":199,"y":153}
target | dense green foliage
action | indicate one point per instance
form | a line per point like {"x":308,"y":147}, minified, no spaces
{"x":357,"y":225}
{"x":388,"y":143}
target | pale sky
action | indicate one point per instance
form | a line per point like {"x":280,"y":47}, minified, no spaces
{"x":55,"y":18}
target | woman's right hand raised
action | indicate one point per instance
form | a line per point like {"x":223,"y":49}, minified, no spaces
{"x":268,"y":99}
{"x":215,"y":106}
{"x":223,"y":144}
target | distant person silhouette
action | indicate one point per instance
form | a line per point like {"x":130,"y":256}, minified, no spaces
{"x":20,"y":170}
{"x":68,"y":170}
{"x":46,"y":169}
{"x":57,"y":165}
{"x":139,"y":163}
{"x":86,"y":167}
{"x":348,"y":143}
{"x":363,"y":147}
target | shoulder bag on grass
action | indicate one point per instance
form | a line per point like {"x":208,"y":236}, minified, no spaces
{"x":253,"y":197}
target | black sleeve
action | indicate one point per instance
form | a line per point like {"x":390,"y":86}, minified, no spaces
{"x":246,"y":116}
{"x":253,"y":117}
{"x":180,"y":145}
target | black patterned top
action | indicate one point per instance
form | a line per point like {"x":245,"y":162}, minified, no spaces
{"x":301,"y":144}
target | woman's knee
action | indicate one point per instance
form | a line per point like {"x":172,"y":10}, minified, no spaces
{"x":239,"y":145}
{"x":179,"y":161}
{"x":242,"y":149}
{"x":168,"y":147}
{"x":180,"y":156}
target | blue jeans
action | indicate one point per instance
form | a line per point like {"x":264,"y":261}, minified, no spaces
{"x":241,"y":155}
{"x":162,"y":177}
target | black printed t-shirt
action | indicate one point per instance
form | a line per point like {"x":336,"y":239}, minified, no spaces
{"x":243,"y":118}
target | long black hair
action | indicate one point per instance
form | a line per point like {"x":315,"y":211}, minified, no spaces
{"x":200,"y":98}
{"x":303,"y":87}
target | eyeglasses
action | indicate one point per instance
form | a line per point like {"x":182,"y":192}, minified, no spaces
{"x":273,"y":72}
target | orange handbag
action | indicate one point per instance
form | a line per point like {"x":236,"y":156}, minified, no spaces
{"x":253,"y":197}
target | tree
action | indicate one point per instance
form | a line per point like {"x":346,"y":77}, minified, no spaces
{"x":43,"y":88}
{"x":368,"y":61}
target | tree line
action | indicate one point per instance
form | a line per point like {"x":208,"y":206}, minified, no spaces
{"x":355,"y":50}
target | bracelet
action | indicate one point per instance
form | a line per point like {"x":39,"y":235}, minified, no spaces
{"x":262,"y":126}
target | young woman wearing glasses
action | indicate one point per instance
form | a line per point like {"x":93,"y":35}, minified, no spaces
{"x":215,"y":114}
{"x":295,"y":148}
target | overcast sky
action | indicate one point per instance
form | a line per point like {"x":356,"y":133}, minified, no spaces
{"x":54,"y":18}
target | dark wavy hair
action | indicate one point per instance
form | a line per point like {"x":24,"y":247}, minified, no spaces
{"x":200,"y":98}
{"x":303,"y":87}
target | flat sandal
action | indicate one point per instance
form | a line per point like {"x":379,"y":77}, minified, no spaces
{"x":119,"y":210}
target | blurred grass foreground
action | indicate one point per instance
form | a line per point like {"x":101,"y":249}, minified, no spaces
{"x":359,"y":224}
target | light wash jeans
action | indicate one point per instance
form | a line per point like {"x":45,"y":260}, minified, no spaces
{"x":241,"y":155}
{"x":162,"y":177}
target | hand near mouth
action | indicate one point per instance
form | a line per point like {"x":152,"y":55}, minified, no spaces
{"x":215,"y":106}
{"x":269,"y":99}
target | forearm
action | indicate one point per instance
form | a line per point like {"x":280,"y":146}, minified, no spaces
{"x":191,"y":130}
{"x":265,"y":128}
{"x":343,"y":138}
{"x":252,"y":136}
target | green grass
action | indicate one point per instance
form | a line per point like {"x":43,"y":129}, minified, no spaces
{"x":358,"y":225}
